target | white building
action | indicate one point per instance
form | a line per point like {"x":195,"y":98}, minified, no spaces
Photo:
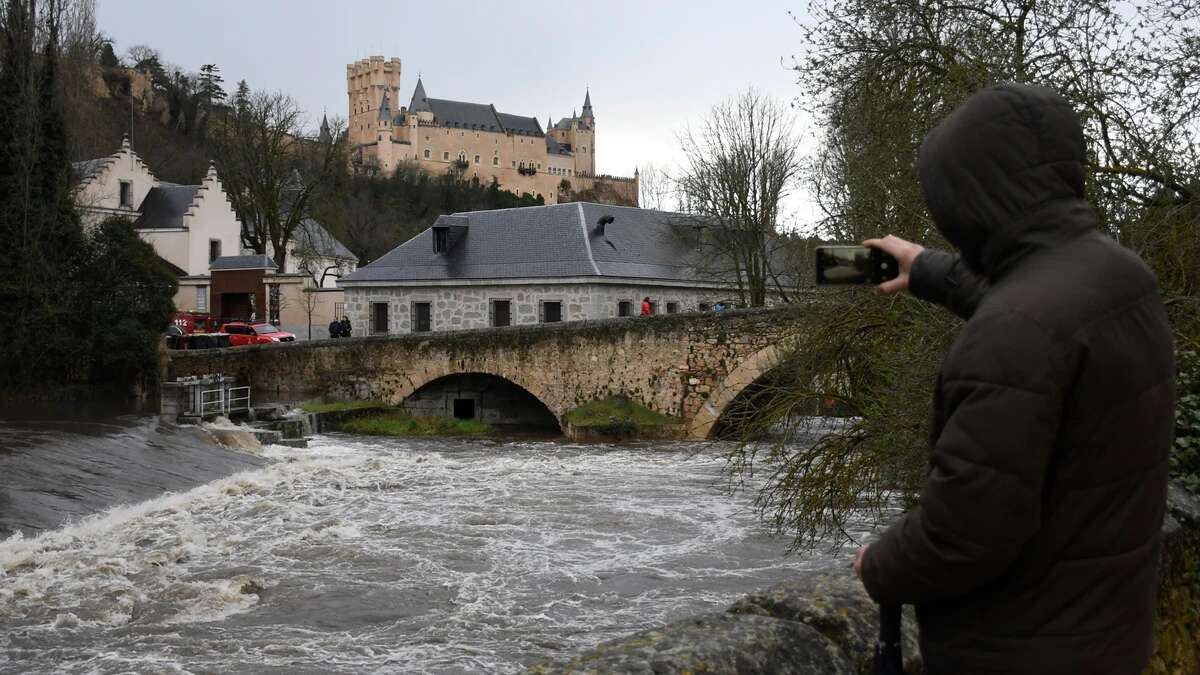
{"x":195,"y":229}
{"x":564,"y":262}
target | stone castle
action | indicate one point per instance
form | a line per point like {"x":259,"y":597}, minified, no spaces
{"x":439,"y":135}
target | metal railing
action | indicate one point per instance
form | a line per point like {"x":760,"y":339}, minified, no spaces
{"x":212,"y":401}
{"x":239,"y":399}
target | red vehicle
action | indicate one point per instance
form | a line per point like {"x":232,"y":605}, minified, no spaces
{"x":255,"y":334}
{"x":195,"y":322}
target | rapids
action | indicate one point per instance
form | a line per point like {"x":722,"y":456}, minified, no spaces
{"x":360,"y":555}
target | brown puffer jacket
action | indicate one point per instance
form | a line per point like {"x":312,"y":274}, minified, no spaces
{"x":1034,"y":548}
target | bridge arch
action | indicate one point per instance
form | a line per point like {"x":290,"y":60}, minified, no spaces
{"x":469,"y":393}
{"x":749,"y":371}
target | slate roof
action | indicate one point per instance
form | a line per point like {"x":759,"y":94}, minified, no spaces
{"x":463,"y":115}
{"x":547,"y":242}
{"x":553,"y":147}
{"x":243,"y":262}
{"x":521,"y":124}
{"x":165,"y":206}
{"x":311,"y":236}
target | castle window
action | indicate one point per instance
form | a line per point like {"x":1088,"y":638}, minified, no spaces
{"x":446,"y":155}
{"x":495,"y":161}
{"x":426,"y":153}
{"x":514,"y":163}
{"x":476,"y":159}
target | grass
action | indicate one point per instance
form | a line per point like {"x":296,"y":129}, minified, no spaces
{"x":403,"y":424}
{"x":340,"y":406}
{"x":616,"y":411}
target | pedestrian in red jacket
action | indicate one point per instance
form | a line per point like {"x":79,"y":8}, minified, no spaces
{"x":646,"y":306}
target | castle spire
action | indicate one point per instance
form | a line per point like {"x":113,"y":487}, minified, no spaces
{"x":385,"y":109}
{"x":326,"y":135}
{"x":587,"y":103}
{"x":419,"y":101}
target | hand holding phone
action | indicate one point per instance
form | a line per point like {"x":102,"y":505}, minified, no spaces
{"x":905,"y":252}
{"x":846,"y":265}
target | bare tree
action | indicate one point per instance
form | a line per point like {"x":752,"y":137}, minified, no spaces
{"x":741,"y":164}
{"x":272,"y":167}
{"x":655,"y":188}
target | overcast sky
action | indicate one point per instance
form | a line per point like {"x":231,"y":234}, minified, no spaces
{"x":653,"y":67}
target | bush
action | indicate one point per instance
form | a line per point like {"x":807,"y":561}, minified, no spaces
{"x":872,"y":360}
{"x":1185,"y":456}
{"x":403,"y":424}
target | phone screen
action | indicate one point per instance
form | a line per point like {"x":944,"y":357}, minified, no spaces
{"x":847,"y":265}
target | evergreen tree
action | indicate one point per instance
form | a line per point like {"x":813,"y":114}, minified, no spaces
{"x":136,"y":306}
{"x":209,"y":89}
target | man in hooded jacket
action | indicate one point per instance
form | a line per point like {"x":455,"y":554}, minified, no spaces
{"x":1035,"y":545}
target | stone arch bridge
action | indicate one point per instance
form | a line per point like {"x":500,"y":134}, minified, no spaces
{"x":687,"y":366}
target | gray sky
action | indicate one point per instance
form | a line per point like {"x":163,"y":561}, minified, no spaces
{"x":653,"y":67}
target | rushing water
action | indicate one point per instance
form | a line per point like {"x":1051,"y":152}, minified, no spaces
{"x":390,"y":556}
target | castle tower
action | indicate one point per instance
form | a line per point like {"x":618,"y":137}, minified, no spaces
{"x":584,"y":142}
{"x":367,"y":82}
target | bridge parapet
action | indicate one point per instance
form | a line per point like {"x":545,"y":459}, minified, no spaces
{"x":688,"y":366}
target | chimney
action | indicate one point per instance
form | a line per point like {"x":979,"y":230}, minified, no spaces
{"x":599,"y":230}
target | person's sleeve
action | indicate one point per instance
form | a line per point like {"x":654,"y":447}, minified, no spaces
{"x":943,"y":278}
{"x":982,"y":499}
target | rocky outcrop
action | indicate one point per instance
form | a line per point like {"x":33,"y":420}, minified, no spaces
{"x":824,"y":622}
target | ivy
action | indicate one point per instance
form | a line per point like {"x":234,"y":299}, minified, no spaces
{"x":1185,"y":456}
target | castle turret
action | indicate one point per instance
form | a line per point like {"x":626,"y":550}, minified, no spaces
{"x":385,"y":111}
{"x":326,"y":135}
{"x":584,"y":141}
{"x":587,"y":108}
{"x":419,"y":105}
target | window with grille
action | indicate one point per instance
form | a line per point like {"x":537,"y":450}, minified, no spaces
{"x":551,"y":311}
{"x":379,"y":317}
{"x":273,"y":304}
{"x":202,"y":298}
{"x":500,"y":313}
{"x":422,"y":317}
{"x":625,"y":308}
{"x":672,"y":308}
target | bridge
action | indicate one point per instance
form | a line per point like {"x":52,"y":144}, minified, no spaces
{"x":686,"y":366}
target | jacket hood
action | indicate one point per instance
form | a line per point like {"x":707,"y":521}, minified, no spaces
{"x":1003,"y":175}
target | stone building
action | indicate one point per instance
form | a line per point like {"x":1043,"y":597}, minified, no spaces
{"x":441,"y":135}
{"x":564,"y":262}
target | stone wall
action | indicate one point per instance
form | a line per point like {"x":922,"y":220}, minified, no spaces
{"x":468,"y":306}
{"x":687,"y":366}
{"x":825,"y":623}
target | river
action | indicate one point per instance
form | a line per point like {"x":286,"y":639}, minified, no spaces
{"x":404,"y":556}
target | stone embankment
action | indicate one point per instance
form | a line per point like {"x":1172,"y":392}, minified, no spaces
{"x":825,"y":623}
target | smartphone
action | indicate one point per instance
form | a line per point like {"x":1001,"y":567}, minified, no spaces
{"x":841,"y":265}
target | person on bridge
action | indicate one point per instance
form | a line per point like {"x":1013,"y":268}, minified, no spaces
{"x":335,"y":328}
{"x":1035,"y":546}
{"x":647,"y":309}
{"x":345,"y":326}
